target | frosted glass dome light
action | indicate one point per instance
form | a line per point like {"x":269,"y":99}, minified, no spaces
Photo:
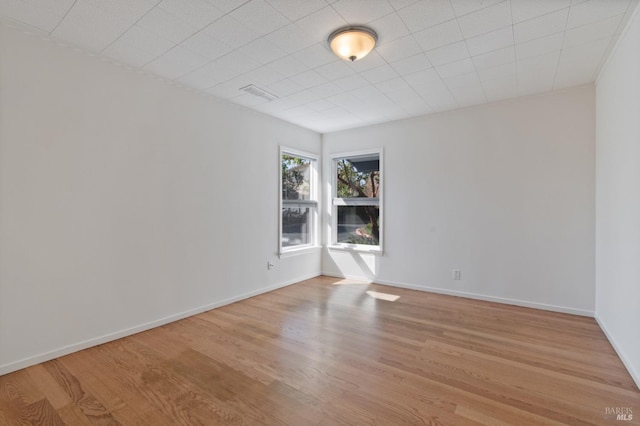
{"x":352,"y":43}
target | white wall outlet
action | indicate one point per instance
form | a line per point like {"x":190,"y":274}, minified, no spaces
{"x":270,"y":265}
{"x":456,"y":274}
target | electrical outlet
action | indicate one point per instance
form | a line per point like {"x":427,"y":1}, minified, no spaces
{"x":456,"y":274}
{"x":270,"y":265}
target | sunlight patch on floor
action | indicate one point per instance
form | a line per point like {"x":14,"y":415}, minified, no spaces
{"x":351,"y":282}
{"x":383,"y":296}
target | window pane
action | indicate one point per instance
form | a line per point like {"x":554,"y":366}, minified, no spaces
{"x":359,"y":225}
{"x":358,"y":177}
{"x":296,"y":179}
{"x":296,"y":226}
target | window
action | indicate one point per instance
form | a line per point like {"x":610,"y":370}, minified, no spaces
{"x":298,"y":202}
{"x":356,"y":201}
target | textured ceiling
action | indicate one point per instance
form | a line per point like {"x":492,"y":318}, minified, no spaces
{"x":433,"y":55}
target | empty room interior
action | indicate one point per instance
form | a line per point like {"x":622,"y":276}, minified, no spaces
{"x":319,"y":212}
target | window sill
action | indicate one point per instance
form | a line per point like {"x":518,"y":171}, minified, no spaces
{"x":298,"y":251}
{"x":356,"y":248}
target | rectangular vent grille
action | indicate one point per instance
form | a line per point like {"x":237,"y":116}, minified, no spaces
{"x":257,"y":91}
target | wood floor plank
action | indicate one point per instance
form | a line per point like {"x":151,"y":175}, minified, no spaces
{"x":110,"y":389}
{"x":72,"y":415}
{"x":326,"y":352}
{"x":50,"y":388}
{"x":43,"y":413}
{"x":73,"y":387}
{"x":19,"y":385}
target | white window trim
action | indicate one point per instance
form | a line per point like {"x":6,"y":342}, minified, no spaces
{"x":334,"y":203}
{"x":299,"y":250}
{"x":314,"y":183}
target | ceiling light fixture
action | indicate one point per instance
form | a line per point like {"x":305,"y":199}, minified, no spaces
{"x":352,"y":43}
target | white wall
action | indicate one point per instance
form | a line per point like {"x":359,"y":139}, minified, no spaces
{"x":126,"y":202}
{"x":504,"y":192}
{"x":618,"y":198}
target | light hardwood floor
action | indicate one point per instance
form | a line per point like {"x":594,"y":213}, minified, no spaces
{"x":325,"y":351}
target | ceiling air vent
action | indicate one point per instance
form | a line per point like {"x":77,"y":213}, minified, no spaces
{"x":257,"y":91}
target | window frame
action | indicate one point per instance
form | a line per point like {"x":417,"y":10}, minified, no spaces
{"x":313,"y":203}
{"x":336,"y":201}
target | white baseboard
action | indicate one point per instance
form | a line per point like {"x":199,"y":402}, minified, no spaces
{"x":66,"y":350}
{"x":635,"y":375}
{"x":507,"y":301}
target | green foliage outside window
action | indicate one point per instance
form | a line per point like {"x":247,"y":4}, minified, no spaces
{"x":356,"y":184}
{"x":293,"y":177}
